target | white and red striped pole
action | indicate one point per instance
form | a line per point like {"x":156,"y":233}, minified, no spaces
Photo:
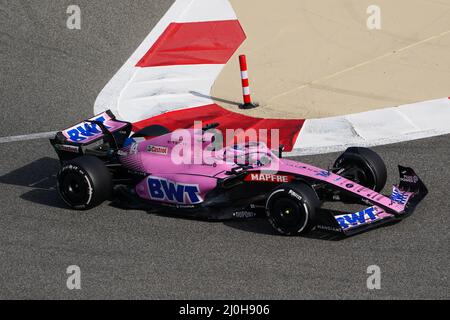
{"x":245,"y":84}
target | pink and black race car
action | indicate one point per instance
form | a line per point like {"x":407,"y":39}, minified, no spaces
{"x":190,"y":173}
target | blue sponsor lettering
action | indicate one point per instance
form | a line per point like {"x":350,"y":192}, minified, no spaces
{"x":86,"y":130}
{"x":324,"y":174}
{"x":162,"y":189}
{"x":74,"y":135}
{"x":399,"y":197}
{"x":193,"y":193}
{"x":173,"y":191}
{"x":356,"y":219}
{"x":342,"y":222}
{"x":155,"y":188}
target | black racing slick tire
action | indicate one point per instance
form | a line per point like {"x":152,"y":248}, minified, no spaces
{"x":363,"y":166}
{"x":84,"y":183}
{"x":291,"y":208}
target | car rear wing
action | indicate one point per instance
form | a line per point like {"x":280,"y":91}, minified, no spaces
{"x":102,"y":130}
{"x":407,"y":195}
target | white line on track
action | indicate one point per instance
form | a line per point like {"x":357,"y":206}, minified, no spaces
{"x":27,"y":137}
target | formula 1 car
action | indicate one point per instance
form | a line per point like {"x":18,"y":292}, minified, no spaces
{"x":190,"y":174}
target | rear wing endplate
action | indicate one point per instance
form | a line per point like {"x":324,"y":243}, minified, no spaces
{"x":103,"y":128}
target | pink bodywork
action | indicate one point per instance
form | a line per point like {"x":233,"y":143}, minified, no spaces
{"x":157,"y":156}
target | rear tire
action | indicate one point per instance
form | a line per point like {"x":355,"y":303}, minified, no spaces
{"x":291,"y":208}
{"x":363,"y":166}
{"x":84,"y":183}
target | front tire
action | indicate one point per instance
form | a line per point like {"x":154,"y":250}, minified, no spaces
{"x":363,"y":166}
{"x":291,"y":208}
{"x":84,"y":183}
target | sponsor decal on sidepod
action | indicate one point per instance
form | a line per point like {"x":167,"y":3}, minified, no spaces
{"x":164,"y":190}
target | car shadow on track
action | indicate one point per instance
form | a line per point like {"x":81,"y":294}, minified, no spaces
{"x":258,"y":225}
{"x":262,"y":226}
{"x":39,"y":176}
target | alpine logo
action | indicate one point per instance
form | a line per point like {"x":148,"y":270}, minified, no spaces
{"x":164,"y":190}
{"x":266,"y":177}
{"x":355,"y":219}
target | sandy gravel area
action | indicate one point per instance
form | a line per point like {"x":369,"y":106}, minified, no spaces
{"x":317,"y":58}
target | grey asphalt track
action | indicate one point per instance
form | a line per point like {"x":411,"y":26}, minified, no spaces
{"x":49,"y":79}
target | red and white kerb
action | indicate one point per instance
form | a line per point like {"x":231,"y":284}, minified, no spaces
{"x":245,"y":81}
{"x":168,"y":79}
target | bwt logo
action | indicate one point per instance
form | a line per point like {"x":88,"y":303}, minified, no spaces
{"x":165,"y":190}
{"x":399,"y":197}
{"x":85,"y":130}
{"x":355,"y":219}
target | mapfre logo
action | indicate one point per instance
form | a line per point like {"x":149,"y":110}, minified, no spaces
{"x":267,"y":177}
